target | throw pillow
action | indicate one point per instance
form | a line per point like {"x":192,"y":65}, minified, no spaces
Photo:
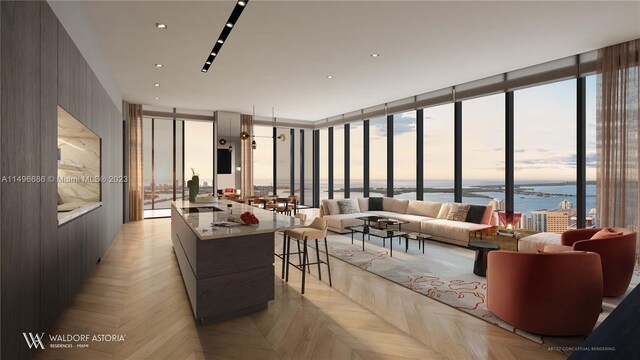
{"x":375,"y":204}
{"x":488,"y":215}
{"x":444,"y":211}
{"x":475,"y":214}
{"x":606,"y":233}
{"x":458,"y":212}
{"x":347,"y":207}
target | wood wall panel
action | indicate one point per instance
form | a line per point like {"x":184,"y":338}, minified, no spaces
{"x":63,"y":67}
{"x":63,"y":267}
{"x":43,"y":265}
{"x":20,"y":238}
{"x":48,"y":161}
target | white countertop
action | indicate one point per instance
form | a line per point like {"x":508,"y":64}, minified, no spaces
{"x":66,"y":216}
{"x":201,"y":223}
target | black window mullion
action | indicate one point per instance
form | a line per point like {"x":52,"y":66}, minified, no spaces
{"x":419,"y":154}
{"x":316,"y":168}
{"x":275,"y":160}
{"x":581,"y":156}
{"x":302,"y":199}
{"x":389,"y":155}
{"x":365,"y":167}
{"x":457,"y":139}
{"x":330,"y":162}
{"x":347,"y":160}
{"x":509,"y":149}
{"x":292,"y":163}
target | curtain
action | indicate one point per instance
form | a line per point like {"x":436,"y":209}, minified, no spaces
{"x":617,"y":136}
{"x":136,"y":189}
{"x":246,"y":151}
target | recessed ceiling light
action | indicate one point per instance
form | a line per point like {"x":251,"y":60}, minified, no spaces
{"x":242,"y":3}
{"x":204,"y":70}
{"x":158,"y":65}
{"x":213,"y":54}
{"x":220,"y":41}
{"x":161,"y":26}
{"x":208,"y":63}
{"x":329,"y":76}
{"x":229,"y":25}
{"x":156,"y":85}
{"x":375,"y":55}
{"x":157,"y":98}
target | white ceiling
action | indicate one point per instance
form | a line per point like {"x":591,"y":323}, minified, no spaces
{"x":280,"y":52}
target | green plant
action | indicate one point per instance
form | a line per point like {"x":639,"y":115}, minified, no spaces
{"x":193,"y":172}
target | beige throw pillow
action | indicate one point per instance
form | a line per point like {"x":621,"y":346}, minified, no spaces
{"x":458,"y":212}
{"x":348,"y":206}
{"x":444,"y":211}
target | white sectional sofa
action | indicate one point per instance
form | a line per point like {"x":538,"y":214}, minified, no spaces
{"x":426,"y":217}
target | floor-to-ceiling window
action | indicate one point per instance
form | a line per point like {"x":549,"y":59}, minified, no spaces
{"x":438,"y":153}
{"x":356,"y":159}
{"x":324,"y":163}
{"x":591,"y":107}
{"x":545,"y":151}
{"x":283,"y":160}
{"x":147,"y":156}
{"x":378,"y":156}
{"x":404,"y":155}
{"x":263,"y":160}
{"x":159,"y":164}
{"x":483,"y":132}
{"x":198,"y":154}
{"x":308,"y":167}
{"x":338,"y":162}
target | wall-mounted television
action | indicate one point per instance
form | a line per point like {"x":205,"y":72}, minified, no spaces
{"x":224,"y":161}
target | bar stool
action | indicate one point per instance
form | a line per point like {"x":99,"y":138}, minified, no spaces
{"x":317,"y":230}
{"x":302,"y":217}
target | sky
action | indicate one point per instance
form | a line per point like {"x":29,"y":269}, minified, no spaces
{"x":545,"y":141}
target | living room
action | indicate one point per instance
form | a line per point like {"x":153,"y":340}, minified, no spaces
{"x":311,"y":179}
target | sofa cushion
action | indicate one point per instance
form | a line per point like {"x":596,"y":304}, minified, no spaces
{"x":488,"y":215}
{"x":458,"y":212}
{"x":348,"y":206}
{"x":410,"y":218}
{"x":537,"y":242}
{"x":341,"y":221}
{"x":424,"y":208}
{"x":447,"y":229}
{"x":444,"y":211}
{"x":399,"y":206}
{"x":383,"y":214}
{"x":375,"y":204}
{"x":331,"y":206}
{"x":476,"y":214}
{"x":387,"y":203}
{"x":363,"y":204}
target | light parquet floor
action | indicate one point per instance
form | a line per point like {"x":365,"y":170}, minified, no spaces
{"x":137,"y":291}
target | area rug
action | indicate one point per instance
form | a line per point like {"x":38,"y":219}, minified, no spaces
{"x":444,"y":273}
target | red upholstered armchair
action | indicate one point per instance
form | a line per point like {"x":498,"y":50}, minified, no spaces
{"x":618,"y":256}
{"x":558,"y":294}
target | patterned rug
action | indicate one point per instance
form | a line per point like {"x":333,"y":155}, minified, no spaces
{"x":444,"y":273}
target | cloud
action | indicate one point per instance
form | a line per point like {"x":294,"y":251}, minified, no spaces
{"x":542,"y":150}
{"x":561,"y":160}
{"x":519,"y":150}
{"x":498,"y":149}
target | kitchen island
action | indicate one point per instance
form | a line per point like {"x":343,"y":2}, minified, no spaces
{"x":227,"y":271}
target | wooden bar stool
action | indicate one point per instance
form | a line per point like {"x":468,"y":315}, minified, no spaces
{"x":317,"y":230}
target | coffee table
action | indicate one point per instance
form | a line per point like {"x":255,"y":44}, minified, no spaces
{"x":383,"y":234}
{"x":416,"y":236}
{"x":482,"y":249}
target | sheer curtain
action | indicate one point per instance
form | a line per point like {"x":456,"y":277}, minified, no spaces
{"x":136,"y":191}
{"x":617,"y":136}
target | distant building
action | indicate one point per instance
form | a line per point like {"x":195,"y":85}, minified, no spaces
{"x":538,"y":220}
{"x":205,"y":184}
{"x":565,"y":205}
{"x":497,"y":204}
{"x":558,"y":221}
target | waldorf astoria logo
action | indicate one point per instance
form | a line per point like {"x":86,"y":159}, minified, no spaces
{"x":34,"y":341}
{"x":68,"y":341}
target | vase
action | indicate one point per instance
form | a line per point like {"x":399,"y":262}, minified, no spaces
{"x":194,"y":187}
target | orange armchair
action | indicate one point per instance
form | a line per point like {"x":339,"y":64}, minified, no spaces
{"x":618,"y":256}
{"x":557,"y":294}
